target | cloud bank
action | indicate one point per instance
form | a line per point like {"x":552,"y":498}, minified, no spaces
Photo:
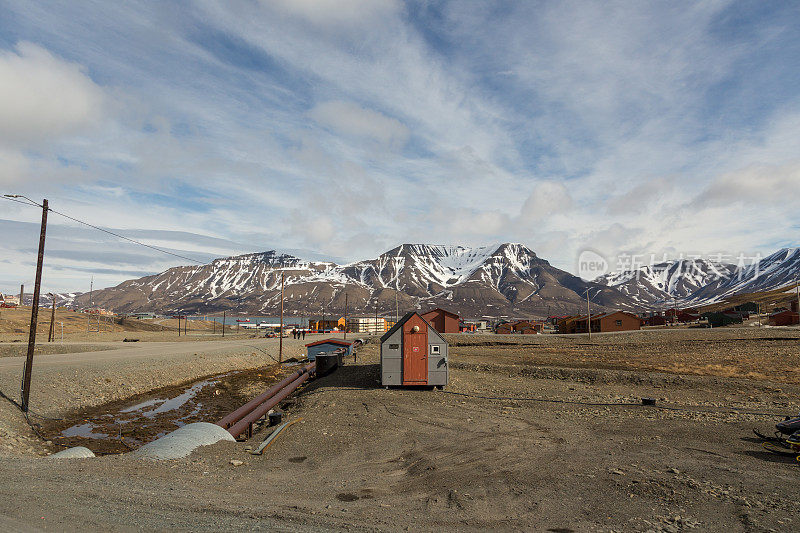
{"x":349,"y":127}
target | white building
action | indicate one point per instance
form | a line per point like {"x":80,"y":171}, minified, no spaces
{"x":367,"y":324}
{"x":9,"y":299}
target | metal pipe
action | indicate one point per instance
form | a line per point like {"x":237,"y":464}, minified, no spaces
{"x":241,"y":412}
{"x":245,"y":423}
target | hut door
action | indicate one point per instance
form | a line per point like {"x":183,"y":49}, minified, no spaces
{"x":415,"y":352}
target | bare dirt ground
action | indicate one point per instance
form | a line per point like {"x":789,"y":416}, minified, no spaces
{"x":749,"y":352}
{"x":512,"y":443}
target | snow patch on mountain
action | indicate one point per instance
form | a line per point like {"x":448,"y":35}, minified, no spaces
{"x":678,"y":279}
{"x":777,"y":270}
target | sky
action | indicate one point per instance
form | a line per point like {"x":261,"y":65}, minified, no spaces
{"x":338,"y":129}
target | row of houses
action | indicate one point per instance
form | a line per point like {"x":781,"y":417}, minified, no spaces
{"x":520,"y":327}
{"x":600,"y":323}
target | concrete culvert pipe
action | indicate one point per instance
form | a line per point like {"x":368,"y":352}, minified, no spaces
{"x":183,"y":441}
{"x":78,"y":452}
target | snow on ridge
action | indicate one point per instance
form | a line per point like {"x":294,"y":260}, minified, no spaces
{"x":667,"y":280}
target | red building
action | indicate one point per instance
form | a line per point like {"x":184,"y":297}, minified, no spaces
{"x":523,"y":327}
{"x":606,"y":322}
{"x":656,"y":320}
{"x":442,"y":321}
{"x":784,"y":318}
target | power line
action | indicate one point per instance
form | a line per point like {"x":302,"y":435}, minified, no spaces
{"x":156,"y":248}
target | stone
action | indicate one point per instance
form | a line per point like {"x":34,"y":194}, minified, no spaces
{"x":236,"y":462}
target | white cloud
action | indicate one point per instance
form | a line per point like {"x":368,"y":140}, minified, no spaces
{"x":755,"y":184}
{"x":14,"y":167}
{"x":44,"y":97}
{"x":547,"y":198}
{"x":351,"y":119}
{"x":283,"y":121}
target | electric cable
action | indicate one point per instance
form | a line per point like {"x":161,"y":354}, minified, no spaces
{"x":134,"y":241}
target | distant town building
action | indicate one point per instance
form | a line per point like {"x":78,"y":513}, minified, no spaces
{"x":7,"y":300}
{"x":142,"y":316}
{"x":325,"y":325}
{"x":601,"y":323}
{"x":367,"y":324}
{"x":717,"y":320}
{"x":784,"y":318}
{"x":442,"y":320}
{"x":521,"y":327}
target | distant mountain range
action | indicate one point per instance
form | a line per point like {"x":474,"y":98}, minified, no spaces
{"x":507,"y":279}
{"x":691,"y":283}
{"x":667,"y":281}
{"x":502,"y":280}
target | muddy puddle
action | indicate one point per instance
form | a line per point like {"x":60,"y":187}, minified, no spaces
{"x":123,"y":425}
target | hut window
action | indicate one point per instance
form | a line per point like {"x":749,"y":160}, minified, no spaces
{"x":394,"y":346}
{"x":619,"y":322}
{"x":434,"y":350}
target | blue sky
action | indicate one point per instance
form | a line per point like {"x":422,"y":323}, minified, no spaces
{"x":341,"y":128}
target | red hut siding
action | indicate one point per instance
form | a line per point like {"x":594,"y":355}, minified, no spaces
{"x":619,"y":321}
{"x":783,"y":318}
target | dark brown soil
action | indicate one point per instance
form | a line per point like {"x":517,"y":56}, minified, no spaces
{"x":124,"y":431}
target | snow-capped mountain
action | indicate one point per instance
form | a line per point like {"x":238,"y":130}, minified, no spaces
{"x":507,"y":279}
{"x":692,"y":283}
{"x":772,"y":272}
{"x":667,"y":281}
{"x":46,"y":300}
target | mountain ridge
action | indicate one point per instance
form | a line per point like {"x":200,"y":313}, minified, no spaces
{"x":504,"y":279}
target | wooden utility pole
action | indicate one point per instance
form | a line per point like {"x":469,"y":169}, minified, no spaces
{"x":26,"y":378}
{"x":51,"y":335}
{"x":223,"y":323}
{"x":376,"y":316}
{"x":280,"y":336}
{"x":588,"y":315}
{"x":345,"y":315}
{"x":21,"y":295}
{"x":797,"y":288}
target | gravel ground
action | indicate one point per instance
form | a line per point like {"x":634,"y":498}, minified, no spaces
{"x":367,"y":458}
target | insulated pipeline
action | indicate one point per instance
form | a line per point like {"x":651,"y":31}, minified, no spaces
{"x":232,"y":418}
{"x":241,"y":426}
